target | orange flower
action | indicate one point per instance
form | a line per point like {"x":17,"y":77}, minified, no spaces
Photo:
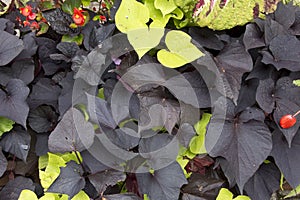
{"x":78,"y":17}
{"x":27,"y":10}
{"x":31,"y":16}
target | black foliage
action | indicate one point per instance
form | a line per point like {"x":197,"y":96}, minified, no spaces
{"x":127,"y":117}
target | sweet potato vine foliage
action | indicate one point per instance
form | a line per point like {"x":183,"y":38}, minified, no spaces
{"x":111,"y":100}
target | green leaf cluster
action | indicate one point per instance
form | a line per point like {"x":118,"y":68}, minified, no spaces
{"x":5,"y":125}
{"x":225,"y":194}
{"x":132,"y":18}
{"x":196,"y":145}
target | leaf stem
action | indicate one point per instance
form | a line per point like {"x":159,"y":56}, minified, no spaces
{"x":3,"y":89}
{"x":296,"y":113}
{"x":77,"y":156}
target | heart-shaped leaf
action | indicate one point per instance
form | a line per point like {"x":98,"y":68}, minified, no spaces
{"x":72,"y":133}
{"x":10,"y":47}
{"x":13,"y":101}
{"x":165,"y":6}
{"x":181,"y":50}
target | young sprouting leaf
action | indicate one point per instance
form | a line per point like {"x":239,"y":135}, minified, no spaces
{"x":181,"y":50}
{"x":42,"y":119}
{"x":14,"y":187}
{"x":293,"y":193}
{"x":69,"y":5}
{"x":264,"y":182}
{"x":197,"y":142}
{"x":72,"y":133}
{"x":3,"y":163}
{"x":296,"y":82}
{"x":13,"y":103}
{"x":164,"y":183}
{"x":5,"y":125}
{"x":78,"y":39}
{"x":225,"y":194}
{"x":81,"y":196}
{"x":286,"y":157}
{"x":10,"y":47}
{"x":70,"y":180}
{"x":239,"y":132}
{"x":16,"y":142}
{"x":102,"y":180}
{"x":27,"y":194}
{"x":165,"y":6}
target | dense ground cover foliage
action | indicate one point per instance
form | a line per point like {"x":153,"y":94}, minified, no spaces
{"x":153,"y":99}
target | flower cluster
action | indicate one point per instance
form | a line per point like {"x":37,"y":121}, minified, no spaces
{"x":30,"y":15}
{"x":78,"y":17}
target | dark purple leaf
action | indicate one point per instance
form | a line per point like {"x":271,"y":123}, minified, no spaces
{"x":164,"y":183}
{"x":125,"y":196}
{"x":13,"y":188}
{"x":91,"y":67}
{"x":285,"y":15}
{"x":30,"y":47}
{"x":72,"y":133}
{"x":41,"y":146}
{"x":23,"y":70}
{"x":45,"y":91}
{"x":106,"y":178}
{"x":235,"y":141}
{"x":13,"y":101}
{"x":264,"y":182}
{"x":42,"y":119}
{"x":160,"y":150}
{"x":265,"y":95}
{"x":100,"y":112}
{"x":10,"y":47}
{"x":206,"y":38}
{"x":287,"y":157}
{"x":70,"y":180}
{"x":98,"y":35}
{"x":285,"y":53}
{"x":125,"y":138}
{"x":92,"y":163}
{"x":272,"y":29}
{"x":203,"y":186}
{"x":16,"y":142}
{"x":68,"y":49}
{"x":233,"y":61}
{"x":253,"y":37}
{"x":185,"y":134}
{"x":3,"y":163}
{"x":190,"y":88}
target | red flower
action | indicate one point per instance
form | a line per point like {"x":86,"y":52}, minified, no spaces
{"x":27,"y":10}
{"x":102,"y":18}
{"x":34,"y":25}
{"x":78,"y":17}
{"x":26,"y":23}
{"x":31,"y":16}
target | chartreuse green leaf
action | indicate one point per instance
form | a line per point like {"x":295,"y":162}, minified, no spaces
{"x":52,"y":163}
{"x":78,"y":39}
{"x":197,"y":142}
{"x":166,"y":6}
{"x":85,"y":3}
{"x":5,"y":125}
{"x":81,"y":196}
{"x":296,"y":82}
{"x":293,"y":193}
{"x":69,"y":5}
{"x":131,"y":15}
{"x":225,"y":194}
{"x":27,"y":194}
{"x":101,"y":93}
{"x":131,"y":18}
{"x":181,"y":50}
